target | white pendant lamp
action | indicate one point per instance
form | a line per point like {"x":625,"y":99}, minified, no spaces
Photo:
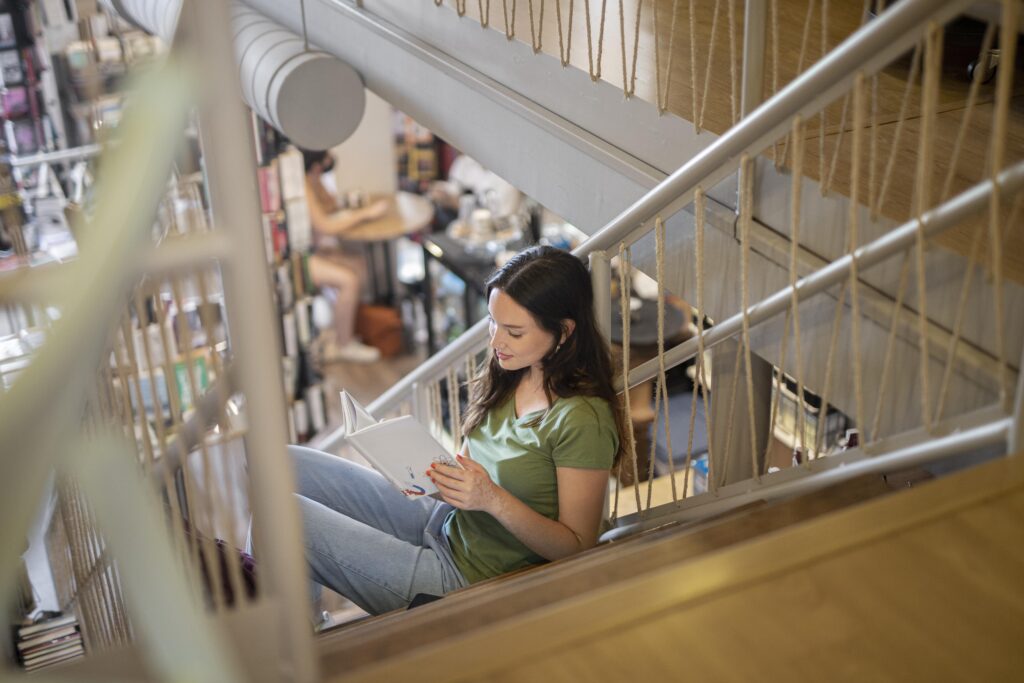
{"x":312,"y":97}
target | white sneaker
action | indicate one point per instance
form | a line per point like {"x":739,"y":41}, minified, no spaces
{"x":353,"y":352}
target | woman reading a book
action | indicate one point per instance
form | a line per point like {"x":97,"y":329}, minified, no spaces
{"x":543,"y":428}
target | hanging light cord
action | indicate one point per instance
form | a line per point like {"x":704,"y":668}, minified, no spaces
{"x":305,"y":35}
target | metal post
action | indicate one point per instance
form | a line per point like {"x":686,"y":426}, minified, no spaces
{"x":231,"y":166}
{"x":752,"y":93}
{"x":1015,"y":439}
{"x":601,"y":280}
{"x":754,"y":23}
{"x":732,"y":428}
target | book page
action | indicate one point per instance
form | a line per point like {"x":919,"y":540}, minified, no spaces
{"x":354,"y":415}
{"x":402,"y":450}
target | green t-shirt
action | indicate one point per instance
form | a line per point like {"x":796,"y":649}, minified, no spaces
{"x":521,"y":454}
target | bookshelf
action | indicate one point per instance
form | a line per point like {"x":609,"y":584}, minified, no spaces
{"x":287,"y":235}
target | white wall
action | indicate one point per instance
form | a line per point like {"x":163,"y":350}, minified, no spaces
{"x":366,"y":161}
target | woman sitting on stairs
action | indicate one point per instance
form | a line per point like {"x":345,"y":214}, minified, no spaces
{"x":543,"y":428}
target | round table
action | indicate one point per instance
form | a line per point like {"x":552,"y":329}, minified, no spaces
{"x":407,"y":214}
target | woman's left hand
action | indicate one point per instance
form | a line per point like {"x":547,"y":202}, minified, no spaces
{"x":468,"y":487}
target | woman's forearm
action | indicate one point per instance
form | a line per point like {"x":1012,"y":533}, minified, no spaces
{"x":549,"y":538}
{"x":341,"y":222}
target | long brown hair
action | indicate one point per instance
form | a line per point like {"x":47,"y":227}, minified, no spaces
{"x":553,"y":285}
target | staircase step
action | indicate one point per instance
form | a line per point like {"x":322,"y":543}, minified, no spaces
{"x":389,"y":635}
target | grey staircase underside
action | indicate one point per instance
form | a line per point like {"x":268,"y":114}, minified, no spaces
{"x":584,"y":151}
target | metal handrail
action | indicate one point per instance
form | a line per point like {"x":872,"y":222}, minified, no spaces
{"x":869,"y":49}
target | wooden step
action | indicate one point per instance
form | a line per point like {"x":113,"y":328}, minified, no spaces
{"x":505,"y":597}
{"x":923,"y":585}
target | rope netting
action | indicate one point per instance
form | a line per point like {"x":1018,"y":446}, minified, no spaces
{"x":896,"y":138}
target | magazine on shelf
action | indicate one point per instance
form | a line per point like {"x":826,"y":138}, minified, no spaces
{"x":399,"y":448}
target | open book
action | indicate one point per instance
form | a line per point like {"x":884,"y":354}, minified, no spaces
{"x":400,"y":448}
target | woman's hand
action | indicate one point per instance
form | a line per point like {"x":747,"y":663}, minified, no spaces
{"x":376,"y":210}
{"x":468,"y":487}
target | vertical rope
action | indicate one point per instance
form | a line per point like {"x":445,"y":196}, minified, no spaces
{"x":890,"y":346}
{"x":972,"y":99}
{"x":510,"y":22}
{"x":873,"y":155}
{"x":929,"y":97}
{"x":564,"y":44}
{"x":842,"y":119}
{"x":595,"y":72}
{"x":629,"y":82}
{"x":915,"y":67}
{"x":734,"y":81}
{"x":822,"y":115}
{"x":873,"y":151}
{"x":958,"y":322}
{"x":625,"y":287}
{"x":707,"y":70}
{"x":853,"y":221}
{"x":1000,"y":128}
{"x":536,"y":33}
{"x":746,"y":214}
{"x":661,"y":389}
{"x":774,"y":14}
{"x":665,"y":88}
{"x":693,"y":66}
{"x":823,"y":414}
{"x":485,"y":13}
{"x":731,"y":412}
{"x":700,"y":205}
{"x":805,"y":40}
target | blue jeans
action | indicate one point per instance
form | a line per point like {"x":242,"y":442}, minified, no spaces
{"x":366,"y":540}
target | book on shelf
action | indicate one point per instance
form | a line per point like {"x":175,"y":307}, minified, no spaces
{"x":45,"y":637}
{"x":54,"y":658}
{"x":270,"y":188}
{"x":49,"y":642}
{"x":399,"y":448}
{"x":27,"y":651}
{"x":50,"y":624}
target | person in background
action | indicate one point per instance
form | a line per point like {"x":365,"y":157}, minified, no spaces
{"x":329,"y":266}
{"x":543,"y":427}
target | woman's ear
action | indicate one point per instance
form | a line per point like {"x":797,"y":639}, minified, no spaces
{"x":568,"y":327}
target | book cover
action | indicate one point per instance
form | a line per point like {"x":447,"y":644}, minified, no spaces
{"x":55,"y":659}
{"x":51,"y":650}
{"x":69,"y":639}
{"x":39,"y":626}
{"x":47,"y":637}
{"x":399,"y":448}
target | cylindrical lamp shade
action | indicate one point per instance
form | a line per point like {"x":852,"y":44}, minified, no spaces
{"x":312,"y":97}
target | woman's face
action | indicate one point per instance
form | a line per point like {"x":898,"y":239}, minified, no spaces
{"x":516,"y":338}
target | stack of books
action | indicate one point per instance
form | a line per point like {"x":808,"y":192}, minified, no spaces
{"x":49,"y":642}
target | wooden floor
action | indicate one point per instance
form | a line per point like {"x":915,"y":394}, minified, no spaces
{"x":715,"y":103}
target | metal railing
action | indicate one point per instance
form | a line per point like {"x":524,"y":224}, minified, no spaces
{"x":873,"y":47}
